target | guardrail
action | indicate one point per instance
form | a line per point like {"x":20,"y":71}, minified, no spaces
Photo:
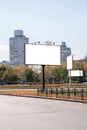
{"x":70,"y":93}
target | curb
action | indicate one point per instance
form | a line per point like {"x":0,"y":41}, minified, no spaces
{"x":49,"y":98}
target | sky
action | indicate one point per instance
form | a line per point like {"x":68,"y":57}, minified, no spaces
{"x":45,"y":20}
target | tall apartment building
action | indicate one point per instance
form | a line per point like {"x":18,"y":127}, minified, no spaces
{"x":16,"y":47}
{"x":65,"y":51}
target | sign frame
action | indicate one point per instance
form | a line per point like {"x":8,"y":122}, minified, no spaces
{"x":41,"y":54}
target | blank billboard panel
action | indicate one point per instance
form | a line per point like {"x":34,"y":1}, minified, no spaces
{"x":75,"y":73}
{"x":69,"y":62}
{"x":42,"y":54}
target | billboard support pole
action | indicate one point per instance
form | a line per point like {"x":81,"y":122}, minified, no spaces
{"x":70,"y":80}
{"x":43,"y":77}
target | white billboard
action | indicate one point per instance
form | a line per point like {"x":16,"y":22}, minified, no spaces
{"x":69,"y":62}
{"x":75,"y":73}
{"x":39,"y":54}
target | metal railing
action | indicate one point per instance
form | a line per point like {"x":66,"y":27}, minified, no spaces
{"x":70,"y":93}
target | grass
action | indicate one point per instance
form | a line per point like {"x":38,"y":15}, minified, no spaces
{"x":18,"y":92}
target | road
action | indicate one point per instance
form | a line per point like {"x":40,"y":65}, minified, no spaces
{"x":21,"y":113}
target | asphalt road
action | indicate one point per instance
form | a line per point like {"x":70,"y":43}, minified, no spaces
{"x":21,"y":113}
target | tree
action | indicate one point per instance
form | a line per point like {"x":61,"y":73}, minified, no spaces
{"x":61,"y":74}
{"x":9,"y":76}
{"x":49,"y":73}
{"x":20,"y":71}
{"x":29,"y":75}
{"x":2,"y":70}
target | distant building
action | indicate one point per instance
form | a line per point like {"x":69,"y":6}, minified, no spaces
{"x":49,"y":43}
{"x":16,"y":47}
{"x":5,"y":62}
{"x":65,"y":51}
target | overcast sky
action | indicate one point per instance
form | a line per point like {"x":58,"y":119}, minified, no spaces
{"x":45,"y":20}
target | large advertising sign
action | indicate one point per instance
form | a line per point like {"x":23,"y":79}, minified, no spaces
{"x":39,"y":54}
{"x":75,"y":73}
{"x":70,"y":62}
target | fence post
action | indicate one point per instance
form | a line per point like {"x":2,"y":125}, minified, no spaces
{"x":75,"y":92}
{"x":62,"y":92}
{"x":68,"y":93}
{"x":82,"y":94}
{"x":46,"y":92}
{"x":51,"y":91}
{"x":57,"y":92}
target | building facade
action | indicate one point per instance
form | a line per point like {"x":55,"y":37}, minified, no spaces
{"x":16,"y":48}
{"x":65,"y":51}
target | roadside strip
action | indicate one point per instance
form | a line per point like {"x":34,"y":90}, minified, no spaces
{"x":49,"y":98}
